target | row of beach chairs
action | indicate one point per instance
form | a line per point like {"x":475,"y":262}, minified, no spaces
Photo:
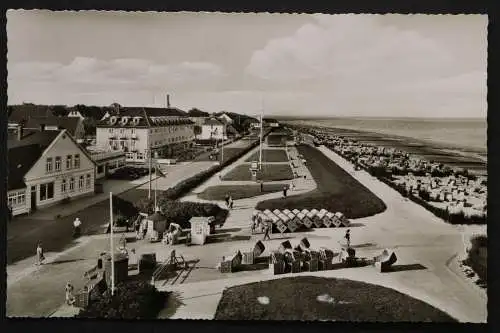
{"x":290,"y":221}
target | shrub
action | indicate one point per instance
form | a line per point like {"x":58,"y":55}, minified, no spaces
{"x":181,"y":212}
{"x":477,"y":256}
{"x":132,"y":300}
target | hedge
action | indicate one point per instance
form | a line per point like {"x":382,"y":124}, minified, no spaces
{"x":131,"y":300}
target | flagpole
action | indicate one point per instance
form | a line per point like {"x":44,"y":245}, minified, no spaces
{"x":156,"y":187}
{"x":150,"y":165}
{"x":111,"y":243}
{"x":222,"y":145}
{"x":260,"y":145}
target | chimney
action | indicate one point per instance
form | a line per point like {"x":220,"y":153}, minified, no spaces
{"x":168,"y":101}
{"x":19,"y":132}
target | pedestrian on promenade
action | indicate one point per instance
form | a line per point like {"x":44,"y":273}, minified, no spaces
{"x":261,"y":186}
{"x":266,"y":232}
{"x":69,"y":294}
{"x":137,"y":227}
{"x":39,"y":254}
{"x":10,"y":212}
{"x":231,"y":202}
{"x":226,"y":199}
{"x":285,"y":190}
{"x":76,"y":228}
{"x":348,"y":237}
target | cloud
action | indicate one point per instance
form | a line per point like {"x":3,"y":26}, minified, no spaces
{"x":352,"y":50}
{"x":93,"y":74}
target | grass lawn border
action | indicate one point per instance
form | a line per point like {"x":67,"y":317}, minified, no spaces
{"x":320,"y":298}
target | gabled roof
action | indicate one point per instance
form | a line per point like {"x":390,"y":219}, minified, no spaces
{"x":144,"y":121}
{"x":213,"y":121}
{"x":20,"y":160}
{"x":68,"y":123}
{"x":25,"y":153}
{"x":25,"y":111}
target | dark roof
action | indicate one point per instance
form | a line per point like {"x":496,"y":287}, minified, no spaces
{"x":21,"y":159}
{"x":269,"y":120}
{"x":197,"y":113}
{"x":42,"y":138}
{"x":26,"y":111}
{"x":68,"y":123}
{"x":95,"y":112}
{"x":212,"y":121}
{"x":144,"y":122}
{"x":152,"y":112}
{"x":24,"y":154}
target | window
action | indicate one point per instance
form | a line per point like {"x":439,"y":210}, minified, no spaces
{"x":133,"y":130}
{"x":16,"y":199}
{"x":71,"y":184}
{"x":89,"y":181}
{"x":80,"y":182}
{"x":140,"y":156}
{"x":111,"y":131}
{"x":63,"y":186}
{"x":46,"y":191}
{"x":77,"y":160}
{"x":58,"y":163}
{"x":121,"y":130}
{"x":48,"y":166}
{"x":100,"y":169}
{"x":69,"y":161}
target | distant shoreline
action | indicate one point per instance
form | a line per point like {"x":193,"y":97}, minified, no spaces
{"x":471,"y":158}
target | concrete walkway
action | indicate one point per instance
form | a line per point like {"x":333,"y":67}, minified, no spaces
{"x":417,"y":236}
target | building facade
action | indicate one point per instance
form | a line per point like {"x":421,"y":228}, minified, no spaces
{"x":136,"y":131}
{"x":57,"y":169}
{"x":212,"y":129}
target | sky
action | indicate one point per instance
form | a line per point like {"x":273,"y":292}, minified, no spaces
{"x":284,"y":64}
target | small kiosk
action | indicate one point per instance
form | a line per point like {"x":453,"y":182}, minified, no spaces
{"x":200,"y":229}
{"x":254,"y":167}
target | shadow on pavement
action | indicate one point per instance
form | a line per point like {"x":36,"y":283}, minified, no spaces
{"x":66,"y":261}
{"x":219,"y":238}
{"x":174,"y":301}
{"x":410,"y":267}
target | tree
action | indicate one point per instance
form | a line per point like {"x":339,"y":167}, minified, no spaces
{"x":59,"y":110}
{"x":89,"y":125}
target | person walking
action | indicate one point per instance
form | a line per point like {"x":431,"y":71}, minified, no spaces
{"x":76,"y":228}
{"x":69,"y":294}
{"x":226,"y":199}
{"x":231,"y":202}
{"x":261,"y":186}
{"x":266,"y":232}
{"x":39,"y":254}
{"x":285,"y":190}
{"x":348,"y":237}
{"x":10,"y":212}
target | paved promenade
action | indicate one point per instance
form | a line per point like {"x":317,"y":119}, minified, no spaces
{"x":417,"y":236}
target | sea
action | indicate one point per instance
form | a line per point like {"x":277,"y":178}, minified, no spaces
{"x":470,"y":134}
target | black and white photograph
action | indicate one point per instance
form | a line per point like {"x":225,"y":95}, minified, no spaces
{"x":247,"y":166}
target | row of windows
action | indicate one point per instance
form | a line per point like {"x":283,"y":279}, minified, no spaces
{"x":116,"y":144}
{"x":83,"y":182}
{"x":121,"y":130}
{"x":17,"y":198}
{"x":55,"y":164}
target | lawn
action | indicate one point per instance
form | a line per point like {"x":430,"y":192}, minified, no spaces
{"x":315,"y":298}
{"x":269,"y":172}
{"x":228,"y":153}
{"x":238,"y":191}
{"x":270,"y":155}
{"x":337,"y":191}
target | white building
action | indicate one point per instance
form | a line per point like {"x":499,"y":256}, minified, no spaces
{"x":46,"y":167}
{"x":107,"y":162}
{"x":212,"y":129}
{"x":225,"y":118}
{"x":137,"y":130}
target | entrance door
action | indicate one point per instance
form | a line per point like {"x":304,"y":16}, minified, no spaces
{"x":33,"y":198}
